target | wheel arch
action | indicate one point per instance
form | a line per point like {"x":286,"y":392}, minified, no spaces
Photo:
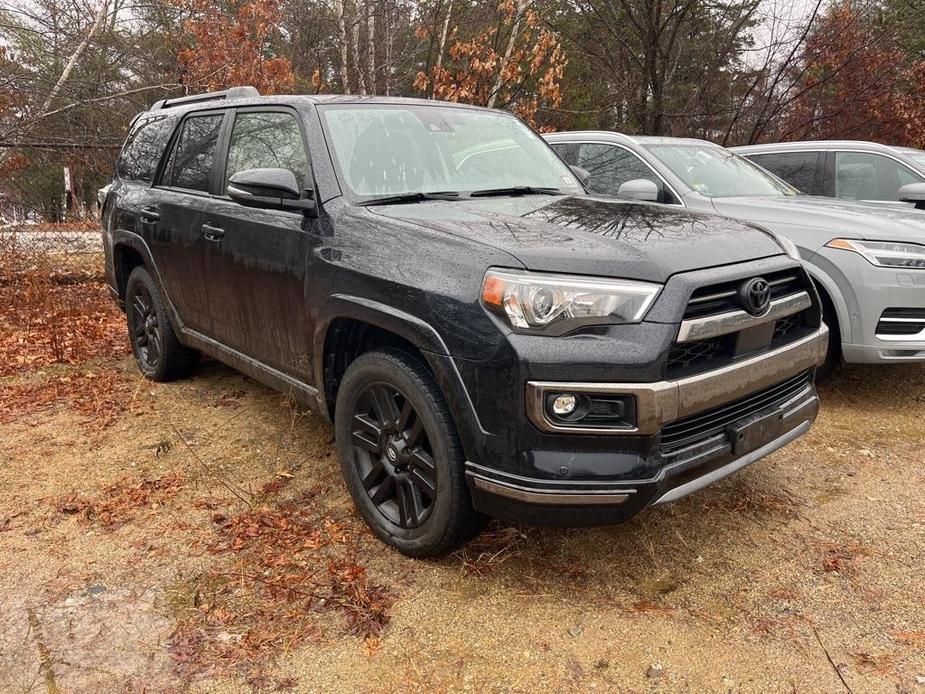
{"x":355,"y":325}
{"x":830,"y":294}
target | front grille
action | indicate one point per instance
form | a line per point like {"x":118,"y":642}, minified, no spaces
{"x":688,"y":354}
{"x":901,"y":321}
{"x":687,"y":358}
{"x":720,"y":298}
{"x":703,"y":425}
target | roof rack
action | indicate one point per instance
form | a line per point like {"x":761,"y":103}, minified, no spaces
{"x":232,"y":93}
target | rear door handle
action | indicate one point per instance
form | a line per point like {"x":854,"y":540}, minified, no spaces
{"x":212,"y":233}
{"x":150,"y":214}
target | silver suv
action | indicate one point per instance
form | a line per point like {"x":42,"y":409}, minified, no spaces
{"x":868,"y":261}
{"x":846,"y":169}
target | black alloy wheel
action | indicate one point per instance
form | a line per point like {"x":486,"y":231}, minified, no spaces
{"x":393,"y":456}
{"x":146,"y":331}
{"x":401,"y":455}
{"x":159,"y":353}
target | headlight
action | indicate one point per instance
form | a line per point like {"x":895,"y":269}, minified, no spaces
{"x":555,"y":304}
{"x":885,"y":253}
{"x":790,"y":247}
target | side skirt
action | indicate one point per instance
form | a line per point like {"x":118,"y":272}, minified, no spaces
{"x":303,"y":393}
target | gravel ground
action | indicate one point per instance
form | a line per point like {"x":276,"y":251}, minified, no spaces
{"x":802,"y":573}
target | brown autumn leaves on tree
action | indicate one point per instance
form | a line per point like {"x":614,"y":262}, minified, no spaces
{"x":493,"y":67}
{"x":73,"y":73}
{"x":230,"y":47}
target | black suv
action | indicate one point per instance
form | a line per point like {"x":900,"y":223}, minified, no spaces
{"x":487,"y":338}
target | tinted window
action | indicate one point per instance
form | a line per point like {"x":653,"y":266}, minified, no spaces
{"x":194,"y":154}
{"x":864,"y":176}
{"x":143,"y":149}
{"x":799,"y":169}
{"x":610,"y":167}
{"x":266,"y":141}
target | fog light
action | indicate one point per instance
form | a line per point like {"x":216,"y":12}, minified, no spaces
{"x":564,"y":405}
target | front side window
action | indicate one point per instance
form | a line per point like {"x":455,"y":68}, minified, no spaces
{"x":799,"y":169}
{"x":611,"y":166}
{"x":192,"y":158}
{"x":866,"y":176}
{"x":385,"y":150}
{"x":718,"y":173}
{"x":269,"y":140}
{"x":143,"y":149}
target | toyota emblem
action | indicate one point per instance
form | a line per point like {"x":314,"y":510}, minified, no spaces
{"x":755,"y":296}
{"x":392,"y":454}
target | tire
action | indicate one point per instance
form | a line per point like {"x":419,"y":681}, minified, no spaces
{"x":401,"y":457}
{"x":158,"y":352}
{"x":833,"y":354}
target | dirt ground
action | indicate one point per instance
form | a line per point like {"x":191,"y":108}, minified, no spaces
{"x":196,"y":536}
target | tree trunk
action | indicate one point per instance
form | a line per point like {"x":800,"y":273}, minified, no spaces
{"x":371,"y":45}
{"x":355,"y":44}
{"x":342,"y":35}
{"x":75,"y":56}
{"x":442,"y":46}
{"x":512,"y":39}
{"x":388,"y":49}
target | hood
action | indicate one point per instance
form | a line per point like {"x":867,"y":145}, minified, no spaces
{"x":594,"y":236}
{"x":850,"y":218}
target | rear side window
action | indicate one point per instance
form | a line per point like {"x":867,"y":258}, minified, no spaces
{"x":193,"y":156}
{"x":865,"y":176}
{"x":270,"y":140}
{"x":799,"y":169}
{"x":143,"y":149}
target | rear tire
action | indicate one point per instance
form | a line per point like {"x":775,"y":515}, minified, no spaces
{"x":401,"y":457}
{"x":158,"y":352}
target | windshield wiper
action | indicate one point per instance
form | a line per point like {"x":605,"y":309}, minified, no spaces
{"x":515,"y":190}
{"x":405,"y":198}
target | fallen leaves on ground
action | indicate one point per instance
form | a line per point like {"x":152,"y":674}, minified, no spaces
{"x":100,"y":395}
{"x":286,"y":564}
{"x":119,"y":503}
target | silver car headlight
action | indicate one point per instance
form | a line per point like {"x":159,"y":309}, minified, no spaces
{"x":554,"y":304}
{"x":885,"y":253}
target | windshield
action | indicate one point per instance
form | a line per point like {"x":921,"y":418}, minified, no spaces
{"x":718,"y":173}
{"x":918,"y":156}
{"x":384,"y":150}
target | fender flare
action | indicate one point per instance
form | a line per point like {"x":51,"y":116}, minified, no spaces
{"x":838,"y":301}
{"x":123,"y":237}
{"x":418,"y":333}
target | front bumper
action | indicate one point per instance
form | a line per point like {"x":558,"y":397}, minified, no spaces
{"x":868,"y":291}
{"x":775,"y":419}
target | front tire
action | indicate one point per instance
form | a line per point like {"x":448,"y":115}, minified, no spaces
{"x":158,"y":352}
{"x":401,"y":457}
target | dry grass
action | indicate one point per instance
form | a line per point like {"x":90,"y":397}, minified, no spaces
{"x":202,"y":539}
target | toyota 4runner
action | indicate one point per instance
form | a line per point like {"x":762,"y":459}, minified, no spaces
{"x":487,"y":338}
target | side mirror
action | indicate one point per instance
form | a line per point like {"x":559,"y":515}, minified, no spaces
{"x":915,"y":193}
{"x":639,"y":189}
{"x":583,"y":175}
{"x":275,"y":189}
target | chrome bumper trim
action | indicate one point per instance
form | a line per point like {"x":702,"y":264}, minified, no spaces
{"x":698,"y":483}
{"x":560,"y":498}
{"x":662,"y":402}
{"x":734,"y":321}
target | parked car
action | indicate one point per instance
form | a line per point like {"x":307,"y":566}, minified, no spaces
{"x":845,"y":169}
{"x":868,"y":262}
{"x":485,"y":336}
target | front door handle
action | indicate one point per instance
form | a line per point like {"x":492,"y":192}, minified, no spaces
{"x":212,"y":233}
{"x":150,"y":214}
